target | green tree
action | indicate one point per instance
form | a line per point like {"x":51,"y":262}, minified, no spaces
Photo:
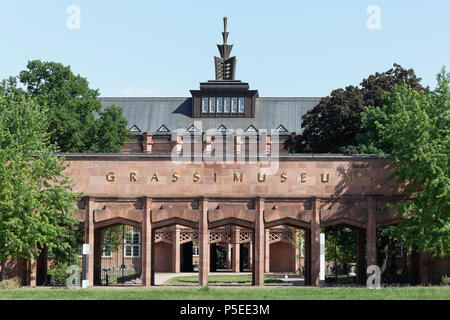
{"x":340,"y":245}
{"x":36,"y":197}
{"x":414,"y":128}
{"x":77,"y":122}
{"x":333,"y":125}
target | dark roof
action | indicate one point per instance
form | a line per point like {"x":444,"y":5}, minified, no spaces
{"x":149,"y":114}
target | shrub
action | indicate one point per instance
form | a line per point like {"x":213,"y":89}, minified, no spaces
{"x":445,"y":281}
{"x":12,"y":283}
{"x":58,"y":274}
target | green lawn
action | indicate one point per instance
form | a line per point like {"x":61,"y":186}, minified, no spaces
{"x":220,"y":280}
{"x":230,"y":293}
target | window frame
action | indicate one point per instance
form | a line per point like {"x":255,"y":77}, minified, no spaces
{"x":131,"y":243}
{"x":221,"y":105}
{"x":205,"y":99}
{"x":233,"y":110}
{"x":241,"y":103}
{"x":212,"y":105}
{"x":225,"y":105}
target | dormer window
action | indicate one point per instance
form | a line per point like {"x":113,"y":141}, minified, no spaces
{"x":163,"y":128}
{"x":135,"y":129}
{"x":222,"y":128}
{"x":281,"y":128}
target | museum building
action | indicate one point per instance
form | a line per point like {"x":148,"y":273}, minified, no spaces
{"x":209,"y":171}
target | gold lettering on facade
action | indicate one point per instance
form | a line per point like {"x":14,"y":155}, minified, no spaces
{"x":322,"y":177}
{"x":110,"y":177}
{"x":261,"y":178}
{"x":350,"y":177}
{"x":175,"y":177}
{"x":155,"y":177}
{"x":133,"y":176}
{"x":196,"y":177}
{"x":303,"y":177}
{"x":283,"y":177}
{"x":238,"y":177}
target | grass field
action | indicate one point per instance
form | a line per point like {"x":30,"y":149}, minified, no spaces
{"x":230,"y":293}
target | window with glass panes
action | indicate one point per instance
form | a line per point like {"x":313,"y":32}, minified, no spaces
{"x":214,"y":105}
{"x":205,"y":105}
{"x":132,"y":245}
{"x":195,"y":249}
{"x":106,"y":252}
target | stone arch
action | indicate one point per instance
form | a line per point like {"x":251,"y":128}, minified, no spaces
{"x":291,"y":222}
{"x":102,"y":263}
{"x":115,"y":222}
{"x":231,"y":221}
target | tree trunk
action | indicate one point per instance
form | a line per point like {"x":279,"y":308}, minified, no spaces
{"x":385,"y":259}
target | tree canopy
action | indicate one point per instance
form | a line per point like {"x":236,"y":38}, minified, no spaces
{"x":332,"y":126}
{"x":36,"y":196}
{"x":77,"y":122}
{"x":414,"y":128}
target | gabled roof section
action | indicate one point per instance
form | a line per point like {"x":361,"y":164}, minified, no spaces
{"x":251,"y":128}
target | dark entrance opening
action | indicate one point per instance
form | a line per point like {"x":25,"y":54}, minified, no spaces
{"x":243,"y":259}
{"x":186,"y":264}
{"x":212,"y":257}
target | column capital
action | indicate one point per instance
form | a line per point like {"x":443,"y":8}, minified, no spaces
{"x":260,"y":198}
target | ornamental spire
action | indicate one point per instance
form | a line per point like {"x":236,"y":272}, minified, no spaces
{"x":225,"y":66}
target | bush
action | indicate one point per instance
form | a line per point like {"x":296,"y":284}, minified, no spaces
{"x":58,"y":274}
{"x":12,"y":283}
{"x":445,"y":281}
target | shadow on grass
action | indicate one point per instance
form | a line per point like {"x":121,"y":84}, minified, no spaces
{"x":219,"y":280}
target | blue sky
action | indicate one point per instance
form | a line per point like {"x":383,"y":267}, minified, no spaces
{"x":284,"y":48}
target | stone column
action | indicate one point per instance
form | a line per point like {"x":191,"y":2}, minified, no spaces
{"x":267,"y":250}
{"x":360,"y":259}
{"x":259,"y":243}
{"x":296,"y":252}
{"x":203,"y":239}
{"x":89,"y":236}
{"x":250,"y":255}
{"x":371,"y":233}
{"x":176,"y":250}
{"x":147,"y":142}
{"x":146,"y":231}
{"x":229,"y":249}
{"x":236,"y":250}
{"x":315,"y":242}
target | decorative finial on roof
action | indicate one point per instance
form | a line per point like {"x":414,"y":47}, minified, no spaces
{"x":225,"y":33}
{"x":225,"y":66}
